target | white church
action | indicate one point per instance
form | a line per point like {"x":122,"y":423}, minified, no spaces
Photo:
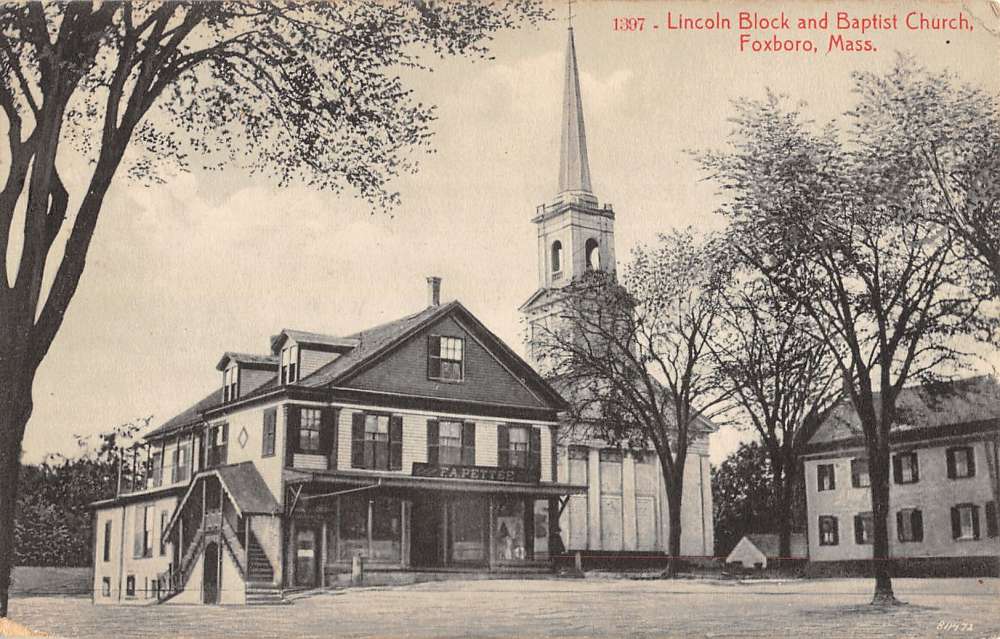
{"x":624,"y":511}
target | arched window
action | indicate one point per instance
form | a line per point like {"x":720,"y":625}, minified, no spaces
{"x":593,"y":252}
{"x":556,"y":256}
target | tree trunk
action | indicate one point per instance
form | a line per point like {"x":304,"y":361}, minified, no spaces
{"x":15,"y":409}
{"x":674,"y":491}
{"x":878,"y":473}
{"x":783,"y":493}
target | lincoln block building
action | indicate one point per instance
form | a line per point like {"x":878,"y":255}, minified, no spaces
{"x":422,"y":443}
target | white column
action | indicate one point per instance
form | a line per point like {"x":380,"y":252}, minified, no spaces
{"x":594,"y":499}
{"x":629,"y":538}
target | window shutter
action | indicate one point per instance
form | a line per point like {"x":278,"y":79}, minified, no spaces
{"x":917,"y":521}
{"x":433,"y":433}
{"x":328,"y":435}
{"x":855,"y":480}
{"x":396,"y":442}
{"x":293,"y":418}
{"x":975,"y":522}
{"x":899,"y":525}
{"x":915,"y":464}
{"x":174,"y":460}
{"x":137,"y":536}
{"x":358,"y":440}
{"x":535,"y":451}
{"x":503,"y":446}
{"x":897,"y":469}
{"x":859,"y":529}
{"x":971,"y":456}
{"x":469,"y":444}
{"x":836,"y":531}
{"x":433,"y":356}
{"x":833,"y":477}
{"x":956,"y":523}
{"x":991,"y":519}
{"x":951,"y":465}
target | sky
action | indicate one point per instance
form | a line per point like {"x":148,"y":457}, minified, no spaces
{"x":180,"y":273}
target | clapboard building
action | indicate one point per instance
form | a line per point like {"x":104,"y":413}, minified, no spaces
{"x":625,"y":507}
{"x":943,"y":489}
{"x":422,"y":443}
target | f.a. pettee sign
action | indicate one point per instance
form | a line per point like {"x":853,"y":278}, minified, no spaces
{"x":487,"y":473}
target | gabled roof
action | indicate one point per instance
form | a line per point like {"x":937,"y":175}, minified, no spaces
{"x":370,"y":346}
{"x":924,"y":411}
{"x":247,"y":359}
{"x":306,"y":338}
{"x":769,"y":543}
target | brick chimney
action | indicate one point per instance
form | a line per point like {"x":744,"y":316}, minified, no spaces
{"x":433,"y":291}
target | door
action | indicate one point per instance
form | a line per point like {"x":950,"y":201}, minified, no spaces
{"x":467,"y":526}
{"x":306,"y":557}
{"x":425,"y":533}
{"x":210,"y":578}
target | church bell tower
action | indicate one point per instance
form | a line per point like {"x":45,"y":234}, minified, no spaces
{"x":575,"y":231}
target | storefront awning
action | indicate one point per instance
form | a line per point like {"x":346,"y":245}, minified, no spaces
{"x":398,"y":481}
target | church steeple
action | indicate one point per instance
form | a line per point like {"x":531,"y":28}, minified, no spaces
{"x":574,"y":167}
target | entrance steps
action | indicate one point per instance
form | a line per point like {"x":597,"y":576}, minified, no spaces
{"x":264,"y":594}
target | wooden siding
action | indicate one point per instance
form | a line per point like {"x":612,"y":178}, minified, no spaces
{"x":309,"y":462}
{"x":486,"y":380}
{"x":251,"y":379}
{"x":310,"y":361}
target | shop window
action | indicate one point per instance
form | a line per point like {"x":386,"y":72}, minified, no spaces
{"x":961,"y":463}
{"x":905,"y":469}
{"x":910,"y":525}
{"x":382,"y":542}
{"x":825,"y":478}
{"x":864,"y":526}
{"x":965,"y":521}
{"x":467,"y":528}
{"x":353,"y":528}
{"x":509,"y":538}
{"x":105,"y":586}
{"x":446,"y":358}
{"x":859,"y":473}
{"x":828,"y":531}
{"x":310,"y":426}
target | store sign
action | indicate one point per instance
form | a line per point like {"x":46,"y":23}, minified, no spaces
{"x":486,"y":473}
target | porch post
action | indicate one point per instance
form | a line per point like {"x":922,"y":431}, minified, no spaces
{"x":492,"y":531}
{"x":291,"y":553}
{"x":246,"y":546}
{"x":322,"y":557}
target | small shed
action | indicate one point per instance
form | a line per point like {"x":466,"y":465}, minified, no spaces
{"x":759,"y":548}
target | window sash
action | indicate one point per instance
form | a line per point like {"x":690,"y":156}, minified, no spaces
{"x":446,"y":356}
{"x":828,"y":533}
{"x":825,"y":477}
{"x":960,"y":458}
{"x":450,"y":442}
{"x":310,"y":424}
{"x":965,"y":520}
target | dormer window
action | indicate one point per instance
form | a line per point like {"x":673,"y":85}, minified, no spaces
{"x":446,"y":358}
{"x":290,"y":364}
{"x":231,"y":383}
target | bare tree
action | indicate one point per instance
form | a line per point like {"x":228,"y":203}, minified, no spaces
{"x":780,"y":375}
{"x":942,"y":135}
{"x":632,"y":361}
{"x":296,"y":90}
{"x":843,"y":232}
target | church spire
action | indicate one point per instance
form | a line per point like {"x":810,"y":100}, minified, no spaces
{"x":574,"y":168}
